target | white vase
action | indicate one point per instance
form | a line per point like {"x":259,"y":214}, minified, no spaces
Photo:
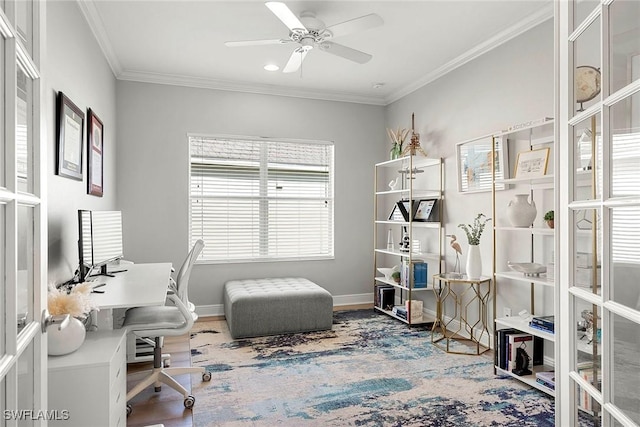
{"x":67,"y":340}
{"x":520,"y":212}
{"x":474,"y":262}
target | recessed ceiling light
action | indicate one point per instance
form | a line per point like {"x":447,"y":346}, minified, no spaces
{"x":271,"y":67}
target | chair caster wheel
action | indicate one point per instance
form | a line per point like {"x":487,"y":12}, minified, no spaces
{"x":129,"y":410}
{"x":189,"y":402}
{"x":206,"y":376}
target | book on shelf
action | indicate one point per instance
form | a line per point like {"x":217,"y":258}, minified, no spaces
{"x":547,"y":379}
{"x":508,"y":342}
{"x":399,"y":311}
{"x":419,"y":273}
{"x":385,"y":296}
{"x":546,"y":323}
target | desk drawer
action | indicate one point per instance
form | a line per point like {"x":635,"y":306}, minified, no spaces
{"x":118,"y":365}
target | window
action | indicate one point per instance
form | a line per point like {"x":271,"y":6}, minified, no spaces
{"x":261,"y":199}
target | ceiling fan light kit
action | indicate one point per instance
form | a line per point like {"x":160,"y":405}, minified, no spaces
{"x":310,"y":32}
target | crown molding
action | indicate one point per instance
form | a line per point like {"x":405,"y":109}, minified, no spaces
{"x":512,"y":32}
{"x":206,"y":83}
{"x":91,"y":15}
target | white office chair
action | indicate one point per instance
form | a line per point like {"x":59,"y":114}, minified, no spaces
{"x":141,"y":349}
{"x":167,"y":320}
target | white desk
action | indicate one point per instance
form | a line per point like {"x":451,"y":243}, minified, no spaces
{"x":141,"y":285}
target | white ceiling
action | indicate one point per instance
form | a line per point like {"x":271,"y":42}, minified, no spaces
{"x":182,"y":42}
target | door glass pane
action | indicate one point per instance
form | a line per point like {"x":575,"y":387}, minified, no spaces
{"x":625,"y":147}
{"x":588,"y":141}
{"x":588,"y":246}
{"x":2,"y":146}
{"x":626,"y":367}
{"x":588,"y":408}
{"x":24,"y":23}
{"x":3,"y":283}
{"x":582,"y":9}
{"x":625,"y":256}
{"x":588,"y":341}
{"x":26,"y":387}
{"x":624,"y":25}
{"x":24,"y":134}
{"x":588,"y":66}
{"x":25,"y":265}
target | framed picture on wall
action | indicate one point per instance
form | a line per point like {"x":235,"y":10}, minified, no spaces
{"x":475,"y":163}
{"x":95,"y":131}
{"x":532,"y":164}
{"x":70,"y":133}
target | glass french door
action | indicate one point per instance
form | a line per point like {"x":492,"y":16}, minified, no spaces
{"x":23,"y":261}
{"x":598,"y":105}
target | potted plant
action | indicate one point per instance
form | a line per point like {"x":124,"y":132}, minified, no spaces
{"x":548,"y":217}
{"x":474,"y":231}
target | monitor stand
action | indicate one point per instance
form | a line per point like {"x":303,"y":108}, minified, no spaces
{"x":103,"y":272}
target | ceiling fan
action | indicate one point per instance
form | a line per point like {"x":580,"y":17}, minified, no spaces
{"x":310,"y":32}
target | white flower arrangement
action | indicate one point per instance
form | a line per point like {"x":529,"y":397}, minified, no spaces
{"x":76,"y":301}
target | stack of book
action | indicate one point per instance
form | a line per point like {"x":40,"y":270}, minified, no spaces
{"x":400,"y":311}
{"x":544,"y":323}
{"x":547,"y":379}
{"x":509,"y":340}
{"x":385,"y":296}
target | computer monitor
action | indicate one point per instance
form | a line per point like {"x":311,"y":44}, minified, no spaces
{"x":100,"y":240}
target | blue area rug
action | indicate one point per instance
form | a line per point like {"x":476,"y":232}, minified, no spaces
{"x":369,"y":370}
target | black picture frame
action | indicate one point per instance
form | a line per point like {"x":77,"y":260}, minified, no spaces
{"x":70,"y":138}
{"x":396,"y":213}
{"x":405,"y":208}
{"x":95,"y":158}
{"x":424,"y":210}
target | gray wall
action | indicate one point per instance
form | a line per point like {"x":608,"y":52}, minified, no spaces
{"x":509,"y":85}
{"x":153,"y":122}
{"x":76,"y":66}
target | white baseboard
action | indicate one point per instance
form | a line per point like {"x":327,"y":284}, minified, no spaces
{"x":338,"y":301}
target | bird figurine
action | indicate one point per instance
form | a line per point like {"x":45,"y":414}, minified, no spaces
{"x":456,"y":247}
{"x":393,"y":184}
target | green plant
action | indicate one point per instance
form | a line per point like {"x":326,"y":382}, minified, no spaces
{"x":474,"y":231}
{"x":396,"y":276}
{"x":548,"y":216}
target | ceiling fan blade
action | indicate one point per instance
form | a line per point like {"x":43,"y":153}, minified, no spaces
{"x":345,"y":52}
{"x":355,"y":25}
{"x":284,"y":14}
{"x":256,"y":42}
{"x":295,"y":60}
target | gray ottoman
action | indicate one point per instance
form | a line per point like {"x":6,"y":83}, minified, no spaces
{"x":257,"y":307}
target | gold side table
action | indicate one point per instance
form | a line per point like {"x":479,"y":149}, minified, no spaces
{"x":468,"y":325}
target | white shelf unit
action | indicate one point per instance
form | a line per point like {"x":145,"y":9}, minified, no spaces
{"x":418,"y":178}
{"x":524,"y":244}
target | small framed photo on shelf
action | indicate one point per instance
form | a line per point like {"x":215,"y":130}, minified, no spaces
{"x":532,"y":164}
{"x":70,"y":132}
{"x":406,"y":207}
{"x":95,"y":161}
{"x":424,"y":210}
{"x":396,"y":213}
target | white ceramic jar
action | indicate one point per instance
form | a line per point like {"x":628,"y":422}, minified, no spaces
{"x":520,"y":212}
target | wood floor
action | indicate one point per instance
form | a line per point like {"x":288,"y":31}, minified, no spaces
{"x":167,"y":406}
